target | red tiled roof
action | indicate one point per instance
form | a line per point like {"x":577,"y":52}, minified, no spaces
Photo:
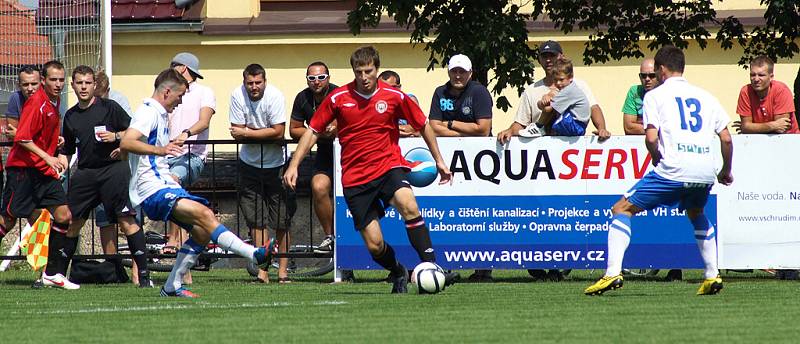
{"x":19,"y":42}
{"x":145,"y":10}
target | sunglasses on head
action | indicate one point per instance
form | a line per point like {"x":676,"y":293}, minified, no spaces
{"x":320,"y":77}
{"x":647,"y":75}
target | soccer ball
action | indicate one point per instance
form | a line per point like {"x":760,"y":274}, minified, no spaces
{"x":428,"y":277}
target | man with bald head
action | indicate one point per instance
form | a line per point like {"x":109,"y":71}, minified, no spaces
{"x":632,"y":108}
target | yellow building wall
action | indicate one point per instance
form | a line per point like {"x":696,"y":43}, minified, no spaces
{"x":139,"y":57}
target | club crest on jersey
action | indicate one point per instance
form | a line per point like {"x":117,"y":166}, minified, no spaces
{"x":381,"y":106}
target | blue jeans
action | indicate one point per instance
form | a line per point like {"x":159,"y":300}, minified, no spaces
{"x":186,"y":167}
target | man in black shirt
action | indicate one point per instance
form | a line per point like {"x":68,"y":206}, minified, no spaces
{"x":94,"y":126}
{"x":462,"y":106}
{"x":305,"y":104}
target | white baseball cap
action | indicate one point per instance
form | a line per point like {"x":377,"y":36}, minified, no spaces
{"x":460,"y":60}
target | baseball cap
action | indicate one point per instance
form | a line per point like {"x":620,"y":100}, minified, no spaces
{"x":460,"y":60}
{"x":550,"y":47}
{"x":190,"y":61}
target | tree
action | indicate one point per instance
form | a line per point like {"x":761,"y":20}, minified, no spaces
{"x":494,"y":33}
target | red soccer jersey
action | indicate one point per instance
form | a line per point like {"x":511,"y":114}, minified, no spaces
{"x":39,"y":123}
{"x":368,"y":129}
{"x":779,"y":100}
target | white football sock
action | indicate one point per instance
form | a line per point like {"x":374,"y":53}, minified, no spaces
{"x":229,"y":241}
{"x":184,"y":261}
{"x":706,"y":237}
{"x":619,"y":236}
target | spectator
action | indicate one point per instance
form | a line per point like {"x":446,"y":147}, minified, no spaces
{"x":632,"y":117}
{"x":257,"y":113}
{"x":305,"y":104}
{"x":632,"y":109}
{"x":528,"y":113}
{"x":391,"y":78}
{"x":103,"y":90}
{"x":189,"y":120}
{"x":566,"y":109}
{"x":95,"y":126}
{"x":462,"y":106}
{"x":28,"y":81}
{"x":765,"y":105}
{"x":35,"y":170}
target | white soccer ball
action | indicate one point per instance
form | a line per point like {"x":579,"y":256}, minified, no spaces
{"x":428,"y":277}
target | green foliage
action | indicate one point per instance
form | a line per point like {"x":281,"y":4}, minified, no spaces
{"x":493,"y":33}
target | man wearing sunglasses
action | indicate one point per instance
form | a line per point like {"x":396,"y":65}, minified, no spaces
{"x":632,"y":108}
{"x":305,"y":104}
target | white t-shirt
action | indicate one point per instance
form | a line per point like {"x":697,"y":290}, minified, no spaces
{"x":268,"y":111}
{"x":528,"y":112}
{"x":150,"y":173}
{"x":688,"y":120}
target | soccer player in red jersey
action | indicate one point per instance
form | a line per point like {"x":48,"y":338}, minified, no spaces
{"x":33,"y":171}
{"x":373,"y":168}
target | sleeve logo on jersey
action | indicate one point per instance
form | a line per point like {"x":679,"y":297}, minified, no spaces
{"x":381,"y":106}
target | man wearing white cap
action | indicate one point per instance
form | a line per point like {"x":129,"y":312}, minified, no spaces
{"x":461,"y":107}
{"x":189,"y":121}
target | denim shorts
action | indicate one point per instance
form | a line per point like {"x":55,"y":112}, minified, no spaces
{"x":186,"y":167}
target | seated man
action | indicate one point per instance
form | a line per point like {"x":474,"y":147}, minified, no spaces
{"x":565,"y":110}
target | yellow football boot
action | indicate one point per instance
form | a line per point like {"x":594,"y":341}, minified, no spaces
{"x":604,"y":284}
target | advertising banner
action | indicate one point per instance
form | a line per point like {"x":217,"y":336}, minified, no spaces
{"x":533,"y":203}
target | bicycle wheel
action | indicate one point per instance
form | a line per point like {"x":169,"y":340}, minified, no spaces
{"x":300,"y":267}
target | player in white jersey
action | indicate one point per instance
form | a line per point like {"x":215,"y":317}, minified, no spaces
{"x":681,"y":122}
{"x":153,"y":189}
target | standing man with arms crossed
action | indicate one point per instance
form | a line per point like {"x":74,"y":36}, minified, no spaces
{"x":257,"y":113}
{"x":676,"y":115}
{"x":95,"y":126}
{"x":155,"y":192}
{"x":33,"y":173}
{"x":373,"y":169}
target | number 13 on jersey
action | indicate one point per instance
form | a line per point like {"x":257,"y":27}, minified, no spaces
{"x":692,"y":105}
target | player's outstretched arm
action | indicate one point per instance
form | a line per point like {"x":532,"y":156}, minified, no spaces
{"x":726,"y":147}
{"x":428,"y":134}
{"x":131,"y":143}
{"x":307,"y":141}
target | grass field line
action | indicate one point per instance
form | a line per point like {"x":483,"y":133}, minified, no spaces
{"x":198,"y":305}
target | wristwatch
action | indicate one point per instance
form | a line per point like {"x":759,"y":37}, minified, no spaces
{"x":116,"y":136}
{"x":450,"y":124}
{"x":187,"y":131}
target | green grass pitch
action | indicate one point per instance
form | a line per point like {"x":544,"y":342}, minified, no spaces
{"x":751,"y":308}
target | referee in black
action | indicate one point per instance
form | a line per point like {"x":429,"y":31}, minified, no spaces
{"x":94,"y":126}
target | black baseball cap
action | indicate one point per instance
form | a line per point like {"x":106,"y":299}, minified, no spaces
{"x":550,"y":47}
